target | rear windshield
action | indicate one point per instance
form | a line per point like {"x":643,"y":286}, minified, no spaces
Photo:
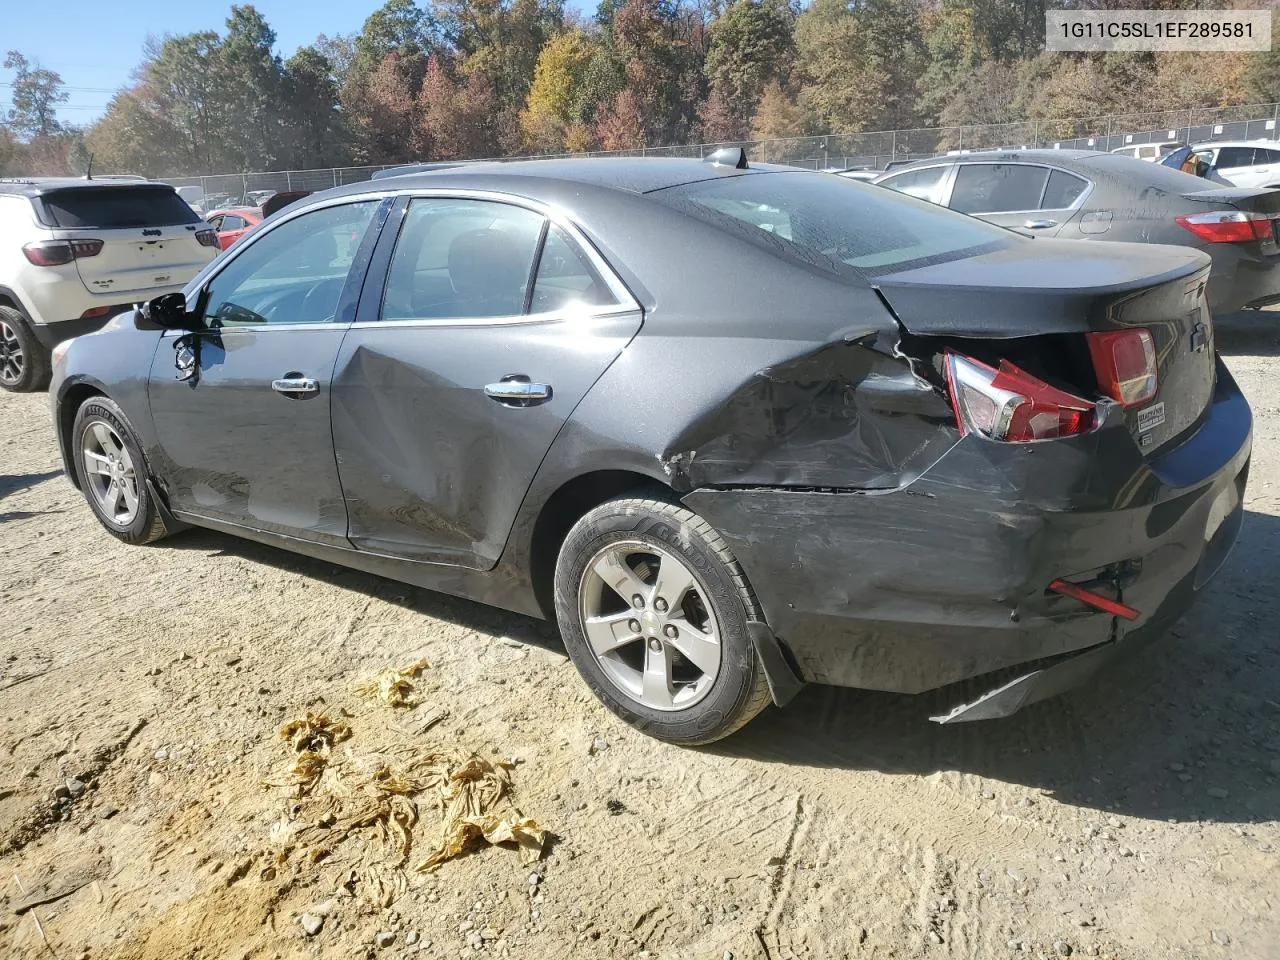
{"x":835,"y":222}
{"x":109,"y":208}
{"x":1146,"y":174}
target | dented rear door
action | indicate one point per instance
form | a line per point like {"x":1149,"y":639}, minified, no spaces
{"x":446,"y":396}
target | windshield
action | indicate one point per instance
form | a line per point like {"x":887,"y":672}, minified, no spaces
{"x":834,"y":222}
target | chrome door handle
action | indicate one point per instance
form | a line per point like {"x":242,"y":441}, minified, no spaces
{"x":295,"y":385}
{"x":518,"y":390}
{"x":1039,"y":224}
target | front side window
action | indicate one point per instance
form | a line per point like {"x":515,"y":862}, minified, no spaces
{"x":291,"y":274}
{"x":232,"y":223}
{"x":461,"y":259}
{"x":917,"y":183}
{"x":834,"y":224}
{"x":998,"y":187}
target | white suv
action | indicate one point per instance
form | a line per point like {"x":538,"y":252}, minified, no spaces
{"x":73,"y":253}
{"x":1243,"y":163}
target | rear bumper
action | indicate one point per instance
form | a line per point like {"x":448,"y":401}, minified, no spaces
{"x":52,"y":334}
{"x":945,"y":579}
{"x":1240,"y":279}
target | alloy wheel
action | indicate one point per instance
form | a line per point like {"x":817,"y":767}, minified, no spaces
{"x":646,"y":619}
{"x":12,"y":360}
{"x":109,"y":471}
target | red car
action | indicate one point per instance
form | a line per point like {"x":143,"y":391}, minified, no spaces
{"x":232,"y":223}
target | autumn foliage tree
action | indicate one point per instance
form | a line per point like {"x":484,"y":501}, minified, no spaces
{"x":447,"y":79}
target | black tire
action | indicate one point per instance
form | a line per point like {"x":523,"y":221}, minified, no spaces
{"x":147,"y":524}
{"x":739,"y":690}
{"x":32,"y":364}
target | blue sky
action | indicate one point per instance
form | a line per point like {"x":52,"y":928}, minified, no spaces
{"x":96,"y":45}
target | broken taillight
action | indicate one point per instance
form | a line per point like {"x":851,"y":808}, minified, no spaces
{"x":1125,"y":362}
{"x":1007,"y":403}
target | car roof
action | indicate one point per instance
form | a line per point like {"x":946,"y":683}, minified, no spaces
{"x":237,"y":211}
{"x":986,"y":156}
{"x":1274,"y":144}
{"x":630,"y":174}
{"x":38,"y":186}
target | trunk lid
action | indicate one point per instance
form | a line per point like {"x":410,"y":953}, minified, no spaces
{"x":148,"y":235}
{"x":1055,"y":287}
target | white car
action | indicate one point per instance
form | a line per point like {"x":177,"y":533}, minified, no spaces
{"x":1243,"y":163}
{"x":73,"y":253}
{"x":1149,"y":151}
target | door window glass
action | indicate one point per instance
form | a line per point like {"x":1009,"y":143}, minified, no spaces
{"x":1063,"y":190}
{"x":917,"y":183}
{"x":998,"y":187}
{"x":232,"y":223}
{"x":461,"y":259}
{"x":216,"y":223}
{"x":1235,"y":157}
{"x":1263,"y":155}
{"x":566,"y":277}
{"x":292,"y":274}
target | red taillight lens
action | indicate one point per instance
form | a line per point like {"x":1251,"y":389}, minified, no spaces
{"x":1125,"y":362}
{"x":54,"y":253}
{"x":94,"y":312}
{"x":207,"y":238}
{"x":1010,"y":404}
{"x":1229,"y":226}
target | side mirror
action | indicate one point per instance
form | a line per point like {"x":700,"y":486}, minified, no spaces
{"x":169,"y":312}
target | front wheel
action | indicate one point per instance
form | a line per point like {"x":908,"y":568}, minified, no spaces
{"x":653,"y":608}
{"x":113,"y":474}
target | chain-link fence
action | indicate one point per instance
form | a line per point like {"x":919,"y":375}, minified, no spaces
{"x":875,"y":150}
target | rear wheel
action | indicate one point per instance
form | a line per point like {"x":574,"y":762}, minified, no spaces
{"x":654,"y":608}
{"x":24,"y":362}
{"x":113,"y":475}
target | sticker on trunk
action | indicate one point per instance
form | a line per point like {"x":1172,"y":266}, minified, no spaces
{"x":1151,"y":417}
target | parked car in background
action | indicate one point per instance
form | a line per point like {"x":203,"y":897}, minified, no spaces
{"x":856,"y":173}
{"x":1243,"y":163}
{"x":257,"y":198}
{"x":514,"y":384}
{"x":75,"y":252}
{"x":233,"y":223}
{"x":1088,"y":195}
{"x":1151,"y":152}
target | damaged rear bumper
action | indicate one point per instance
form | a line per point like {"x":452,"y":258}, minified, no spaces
{"x":945,"y":579}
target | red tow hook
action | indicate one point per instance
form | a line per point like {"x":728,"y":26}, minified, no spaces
{"x":1074,"y":590}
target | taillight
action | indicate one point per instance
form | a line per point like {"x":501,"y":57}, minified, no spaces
{"x":1010,"y":404}
{"x":1229,"y":227}
{"x":54,"y":253}
{"x":1125,"y":362}
{"x":207,"y":238}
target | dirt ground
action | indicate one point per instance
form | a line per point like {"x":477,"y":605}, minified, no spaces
{"x":142,"y":691}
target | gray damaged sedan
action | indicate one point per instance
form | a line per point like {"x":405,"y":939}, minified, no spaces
{"x":736,"y":429}
{"x":1087,"y":195}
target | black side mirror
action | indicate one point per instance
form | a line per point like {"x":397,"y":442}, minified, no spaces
{"x":169,"y":312}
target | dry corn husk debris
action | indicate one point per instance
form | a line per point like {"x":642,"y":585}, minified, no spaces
{"x":387,"y":793}
{"x":394,"y":686}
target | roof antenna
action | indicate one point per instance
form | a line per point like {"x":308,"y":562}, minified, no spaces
{"x":88,"y":172}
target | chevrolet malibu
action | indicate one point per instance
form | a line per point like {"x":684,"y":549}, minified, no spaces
{"x":736,"y":428}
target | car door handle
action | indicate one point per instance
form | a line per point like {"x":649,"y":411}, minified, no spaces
{"x":1039,"y":224}
{"x":296,"y":386}
{"x":518,"y":391}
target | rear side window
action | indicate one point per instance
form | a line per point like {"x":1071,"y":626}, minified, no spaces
{"x":833,"y":223}
{"x":566,"y":277}
{"x":1063,"y":190}
{"x":1263,"y":155}
{"x":998,"y":187}
{"x":917,"y":183}
{"x":115,"y":208}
